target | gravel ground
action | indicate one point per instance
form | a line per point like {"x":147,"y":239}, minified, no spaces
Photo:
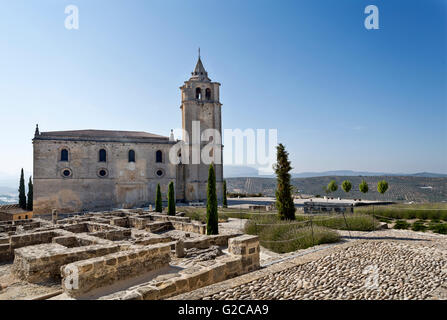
{"x":374,"y":269}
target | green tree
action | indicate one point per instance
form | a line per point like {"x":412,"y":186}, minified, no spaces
{"x":224,"y":195}
{"x":212,"y":220}
{"x":346,"y":186}
{"x":332,"y":186}
{"x":22,"y":196}
{"x":363,"y":186}
{"x":158,"y":201}
{"x":284,"y":201}
{"x":29,"y":205}
{"x":382,"y":186}
{"x":171,"y":199}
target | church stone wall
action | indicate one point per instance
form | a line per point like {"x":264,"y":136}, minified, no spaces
{"x":127,"y":184}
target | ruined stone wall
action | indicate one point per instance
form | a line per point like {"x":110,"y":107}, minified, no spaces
{"x":127,"y":184}
{"x":42,"y":262}
{"x":241,"y":260}
{"x":103,"y":271}
{"x":247,"y":247}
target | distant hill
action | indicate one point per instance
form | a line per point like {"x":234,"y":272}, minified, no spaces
{"x":243,"y":171}
{"x":7,"y":190}
{"x":402,"y":188}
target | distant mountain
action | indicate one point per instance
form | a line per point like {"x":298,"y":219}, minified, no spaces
{"x":337,"y":173}
{"x":428,"y":175}
{"x":11,"y":181}
{"x":250,"y":172}
{"x":241,"y":171}
{"x":7,"y":190}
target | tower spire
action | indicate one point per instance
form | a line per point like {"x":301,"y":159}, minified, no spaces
{"x":199,"y":73}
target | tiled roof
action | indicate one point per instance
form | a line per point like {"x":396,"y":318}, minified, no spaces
{"x":11,"y":208}
{"x":101,"y":134}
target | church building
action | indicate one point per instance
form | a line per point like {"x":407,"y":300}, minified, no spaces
{"x":83,"y":170}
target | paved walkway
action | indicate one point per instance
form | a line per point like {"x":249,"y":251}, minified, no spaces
{"x":386,"y":264}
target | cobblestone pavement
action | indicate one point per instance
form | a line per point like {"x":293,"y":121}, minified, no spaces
{"x":373,"y":269}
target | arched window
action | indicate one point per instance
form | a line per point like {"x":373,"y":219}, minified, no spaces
{"x":208,"y":94}
{"x":198,"y":94}
{"x":64,"y":155}
{"x":159,"y":156}
{"x":102,"y":155}
{"x":131,"y":156}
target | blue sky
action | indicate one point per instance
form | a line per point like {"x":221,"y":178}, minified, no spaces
{"x":341,"y":96}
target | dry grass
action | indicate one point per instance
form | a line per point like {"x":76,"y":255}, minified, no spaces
{"x":286,"y":236}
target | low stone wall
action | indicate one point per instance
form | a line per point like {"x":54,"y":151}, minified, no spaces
{"x":240,"y":260}
{"x":158,"y":226}
{"x":153,"y":240}
{"x":120,"y":222}
{"x":100,"y":272}
{"x":195,"y":227}
{"x":6,"y":252}
{"x":23,"y":240}
{"x":113,"y":235}
{"x":247,"y":247}
{"x":42,"y":262}
{"x":164,"y":217}
{"x":207,"y":241}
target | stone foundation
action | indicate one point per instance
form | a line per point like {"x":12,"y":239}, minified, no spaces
{"x":103,"y":271}
{"x":242,"y":260}
{"x":105,"y":252}
{"x":42,"y":262}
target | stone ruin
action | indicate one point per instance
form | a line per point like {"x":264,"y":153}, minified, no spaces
{"x":124,"y":254}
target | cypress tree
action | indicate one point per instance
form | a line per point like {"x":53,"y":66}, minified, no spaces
{"x":171,"y":199}
{"x":158,"y":201}
{"x":224,"y":196}
{"x":22,"y":196}
{"x":29,"y":205}
{"x":284,"y":201}
{"x":212,"y":222}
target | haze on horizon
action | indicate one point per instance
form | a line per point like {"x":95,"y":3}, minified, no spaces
{"x":341,"y":96}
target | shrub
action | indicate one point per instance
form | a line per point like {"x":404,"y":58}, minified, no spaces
{"x":332,"y":186}
{"x":401,"y":224}
{"x":363,"y":186}
{"x":346,"y":186}
{"x":357,"y":222}
{"x":439,"y":228}
{"x":382,"y":186}
{"x":418,"y":226}
{"x":408,"y":211}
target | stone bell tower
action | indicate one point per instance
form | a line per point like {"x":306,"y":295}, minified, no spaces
{"x":201,"y":106}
